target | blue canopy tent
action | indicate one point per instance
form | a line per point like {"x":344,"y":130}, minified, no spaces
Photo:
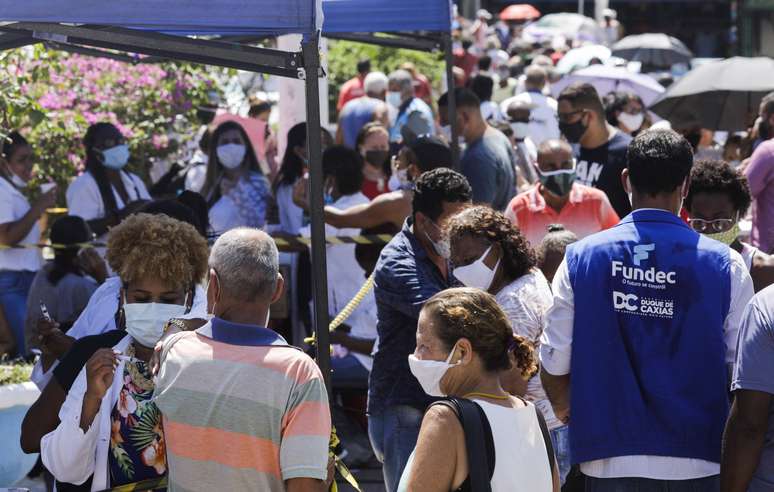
{"x":198,"y":31}
{"x":423,"y":26}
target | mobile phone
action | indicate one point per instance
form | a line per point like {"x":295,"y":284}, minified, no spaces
{"x":44,"y":312}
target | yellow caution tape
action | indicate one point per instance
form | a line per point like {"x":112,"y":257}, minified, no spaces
{"x":339,"y":464}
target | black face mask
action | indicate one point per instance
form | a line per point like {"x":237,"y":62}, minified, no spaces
{"x":377,"y":158}
{"x":573,"y":132}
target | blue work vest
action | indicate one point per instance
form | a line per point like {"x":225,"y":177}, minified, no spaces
{"x":648,"y":373}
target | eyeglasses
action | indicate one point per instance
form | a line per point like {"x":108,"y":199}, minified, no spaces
{"x":711,"y":226}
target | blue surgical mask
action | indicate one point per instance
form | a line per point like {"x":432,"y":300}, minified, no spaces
{"x":115,"y":157}
{"x":394,"y":99}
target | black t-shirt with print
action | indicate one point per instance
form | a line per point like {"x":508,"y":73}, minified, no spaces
{"x":601,"y":168}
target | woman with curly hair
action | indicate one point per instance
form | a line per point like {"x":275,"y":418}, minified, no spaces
{"x":489,"y":253}
{"x":110,"y":429}
{"x":464,"y":343}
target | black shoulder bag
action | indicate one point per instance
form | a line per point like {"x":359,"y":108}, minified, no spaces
{"x":479,"y":443}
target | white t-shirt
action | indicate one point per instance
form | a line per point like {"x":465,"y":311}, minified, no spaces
{"x":291,"y":217}
{"x":543,"y":124}
{"x":85,"y":201}
{"x":526,"y":301}
{"x":556,"y":355}
{"x":345,"y":277}
{"x":13,"y":206}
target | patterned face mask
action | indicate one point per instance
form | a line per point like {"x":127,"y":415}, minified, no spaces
{"x":726,"y":237}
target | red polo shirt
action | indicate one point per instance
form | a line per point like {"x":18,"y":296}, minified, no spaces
{"x":587,"y":211}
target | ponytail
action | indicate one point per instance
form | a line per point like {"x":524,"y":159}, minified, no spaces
{"x":522,"y":355}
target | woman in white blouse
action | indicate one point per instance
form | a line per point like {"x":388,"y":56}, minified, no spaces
{"x":236,"y":190}
{"x":101,"y":194}
{"x":18,"y":224}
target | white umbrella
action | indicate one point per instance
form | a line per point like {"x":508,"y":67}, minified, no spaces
{"x":607,"y":79}
{"x":571,"y":26}
{"x":581,"y":57}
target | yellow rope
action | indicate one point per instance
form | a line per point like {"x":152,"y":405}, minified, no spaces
{"x":348,"y":309}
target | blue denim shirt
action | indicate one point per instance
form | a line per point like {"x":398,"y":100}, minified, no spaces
{"x":405,"y":278}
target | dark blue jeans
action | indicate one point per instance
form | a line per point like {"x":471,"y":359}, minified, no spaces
{"x":14,"y":287}
{"x":393,"y":435}
{"x":708,"y":484}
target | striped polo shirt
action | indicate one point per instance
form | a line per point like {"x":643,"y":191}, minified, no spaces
{"x":242,"y":410}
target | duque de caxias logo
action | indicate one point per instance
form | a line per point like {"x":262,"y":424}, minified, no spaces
{"x":657,"y":284}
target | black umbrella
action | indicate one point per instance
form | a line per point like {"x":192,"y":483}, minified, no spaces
{"x":721,"y":95}
{"x":654,"y":50}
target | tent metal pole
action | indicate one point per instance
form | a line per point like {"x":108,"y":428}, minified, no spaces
{"x":284,"y":64}
{"x":311,"y":58}
{"x":452,"y":102}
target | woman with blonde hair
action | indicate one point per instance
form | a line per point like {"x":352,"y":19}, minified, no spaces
{"x":110,"y":429}
{"x":464,"y":343}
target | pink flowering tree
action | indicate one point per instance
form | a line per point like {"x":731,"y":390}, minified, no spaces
{"x":56,"y":96}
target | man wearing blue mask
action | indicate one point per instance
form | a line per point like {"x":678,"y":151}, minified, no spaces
{"x":557,"y":198}
{"x":642,"y":333}
{"x":412,"y":268}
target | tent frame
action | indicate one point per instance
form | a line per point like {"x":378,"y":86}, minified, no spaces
{"x":294,"y":65}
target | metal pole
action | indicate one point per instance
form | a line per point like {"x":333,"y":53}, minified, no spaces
{"x":452,"y":102}
{"x":581,"y":7}
{"x":311,"y":55}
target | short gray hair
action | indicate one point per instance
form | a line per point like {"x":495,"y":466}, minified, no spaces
{"x":247,"y":263}
{"x":403,"y":79}
{"x":375,"y":83}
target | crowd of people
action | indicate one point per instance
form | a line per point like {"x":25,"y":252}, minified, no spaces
{"x":573,"y":304}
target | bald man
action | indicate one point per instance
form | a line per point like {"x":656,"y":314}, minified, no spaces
{"x":543,"y":124}
{"x":557,"y":199}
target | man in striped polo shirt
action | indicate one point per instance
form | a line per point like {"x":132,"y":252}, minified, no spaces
{"x":242,"y":409}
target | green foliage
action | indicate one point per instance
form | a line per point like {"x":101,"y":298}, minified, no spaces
{"x":344,"y":55}
{"x":54,"y":97}
{"x":15,"y":373}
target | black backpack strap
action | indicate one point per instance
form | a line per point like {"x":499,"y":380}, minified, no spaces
{"x":479,"y":443}
{"x":547,"y":439}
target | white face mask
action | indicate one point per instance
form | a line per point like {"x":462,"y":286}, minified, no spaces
{"x":520,"y":130}
{"x":430,"y":372}
{"x":17,"y":181}
{"x":145,"y":321}
{"x":477,"y":274}
{"x":633,"y":122}
{"x":394,"y":99}
{"x":231,"y":155}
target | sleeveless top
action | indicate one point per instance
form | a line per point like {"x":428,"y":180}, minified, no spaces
{"x":521,"y":463}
